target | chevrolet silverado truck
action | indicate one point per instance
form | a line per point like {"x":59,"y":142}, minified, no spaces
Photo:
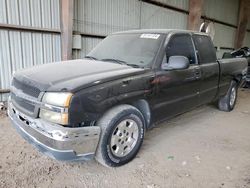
{"x":101,"y":106}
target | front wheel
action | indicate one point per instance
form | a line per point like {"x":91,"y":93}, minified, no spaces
{"x":122,"y":133}
{"x":227,"y":102}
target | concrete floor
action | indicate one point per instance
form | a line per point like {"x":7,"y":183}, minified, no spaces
{"x":202,"y":148}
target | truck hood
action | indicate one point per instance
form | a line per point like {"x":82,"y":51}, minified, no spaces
{"x":73,"y":75}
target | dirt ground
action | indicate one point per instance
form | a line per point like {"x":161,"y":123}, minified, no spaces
{"x":202,"y":148}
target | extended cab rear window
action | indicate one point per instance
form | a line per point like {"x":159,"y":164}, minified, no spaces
{"x":181,"y":45}
{"x":204,"y":46}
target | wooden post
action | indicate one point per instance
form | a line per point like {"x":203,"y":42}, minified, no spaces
{"x":243,"y":19}
{"x":195,"y":10}
{"x":66,"y":28}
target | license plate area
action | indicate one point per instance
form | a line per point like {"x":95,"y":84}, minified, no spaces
{"x":20,"y":116}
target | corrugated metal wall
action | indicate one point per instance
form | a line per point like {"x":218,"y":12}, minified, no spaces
{"x":183,"y":4}
{"x":157,"y":17}
{"x":247,"y":39}
{"x":225,"y":11}
{"x":106,"y":16}
{"x":224,"y":38}
{"x":21,"y":49}
{"x":87,"y":44}
{"x":102,"y":17}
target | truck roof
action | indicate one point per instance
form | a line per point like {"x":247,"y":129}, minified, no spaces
{"x":161,"y":31}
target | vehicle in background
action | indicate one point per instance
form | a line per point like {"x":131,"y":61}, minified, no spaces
{"x":241,"y":52}
{"x":102,"y":105}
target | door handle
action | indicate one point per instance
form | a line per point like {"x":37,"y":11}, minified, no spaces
{"x":126,"y":82}
{"x":197,"y":73}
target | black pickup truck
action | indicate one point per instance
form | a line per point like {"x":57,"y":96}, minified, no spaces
{"x":103,"y":104}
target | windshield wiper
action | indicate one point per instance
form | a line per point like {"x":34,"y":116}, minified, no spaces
{"x":90,"y":57}
{"x":134,"y":65}
{"x":122,"y":62}
{"x":115,"y":60}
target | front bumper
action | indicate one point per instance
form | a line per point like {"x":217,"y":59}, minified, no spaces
{"x":56,"y":141}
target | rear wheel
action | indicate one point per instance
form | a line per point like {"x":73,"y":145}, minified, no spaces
{"x":122,"y":133}
{"x":227,"y":102}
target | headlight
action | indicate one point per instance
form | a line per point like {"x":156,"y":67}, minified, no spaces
{"x":55,"y":107}
{"x":54,"y":117}
{"x":57,"y":99}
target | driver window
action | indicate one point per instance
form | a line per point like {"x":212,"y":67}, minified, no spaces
{"x":181,"y":45}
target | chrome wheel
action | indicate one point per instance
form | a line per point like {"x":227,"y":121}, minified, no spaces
{"x":124,"y":138}
{"x":232,"y":96}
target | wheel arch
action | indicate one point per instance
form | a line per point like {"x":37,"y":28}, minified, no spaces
{"x":143,"y":106}
{"x":238,"y":78}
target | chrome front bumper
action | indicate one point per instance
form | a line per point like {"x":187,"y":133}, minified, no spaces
{"x":56,"y":141}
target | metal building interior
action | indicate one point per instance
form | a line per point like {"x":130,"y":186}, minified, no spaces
{"x":201,"y":148}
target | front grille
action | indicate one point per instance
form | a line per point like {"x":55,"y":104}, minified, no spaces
{"x":27,"y":89}
{"x":23,"y":103}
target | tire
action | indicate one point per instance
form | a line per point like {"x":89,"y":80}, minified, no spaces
{"x":227,"y":102}
{"x":122,"y":134}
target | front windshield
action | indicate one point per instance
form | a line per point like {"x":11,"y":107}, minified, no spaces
{"x":132,"y":49}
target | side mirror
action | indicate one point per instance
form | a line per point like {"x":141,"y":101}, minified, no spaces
{"x":176,"y":63}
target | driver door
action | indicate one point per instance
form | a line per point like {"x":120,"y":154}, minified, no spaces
{"x":177,"y":90}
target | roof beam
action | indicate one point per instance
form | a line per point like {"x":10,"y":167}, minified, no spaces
{"x":4,"y":91}
{"x":12,"y":27}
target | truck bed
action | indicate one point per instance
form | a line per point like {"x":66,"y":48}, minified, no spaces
{"x":230,"y":68}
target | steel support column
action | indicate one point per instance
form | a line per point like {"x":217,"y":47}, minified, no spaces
{"x":243,"y":19}
{"x":66,"y":28}
{"x":195,"y":11}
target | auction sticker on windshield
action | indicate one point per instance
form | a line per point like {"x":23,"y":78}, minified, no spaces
{"x":150,"y":36}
